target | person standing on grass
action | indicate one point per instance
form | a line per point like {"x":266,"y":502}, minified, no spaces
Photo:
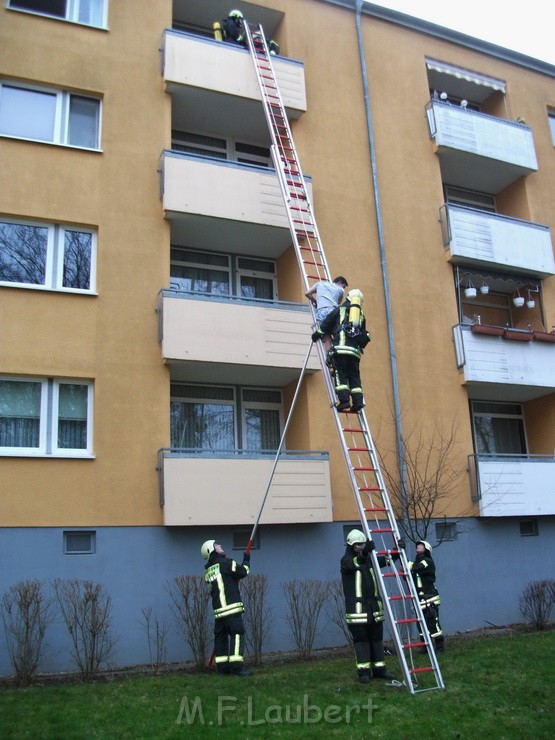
{"x":223,"y":574}
{"x":423,"y":572}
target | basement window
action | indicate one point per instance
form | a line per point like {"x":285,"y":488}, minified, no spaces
{"x":529,"y":528}
{"x":79,"y":543}
{"x":446,"y":531}
{"x":241,"y":539}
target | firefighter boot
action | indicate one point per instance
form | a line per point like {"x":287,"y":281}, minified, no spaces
{"x":239,"y":669}
{"x":382,"y":673}
{"x":364,"y":675}
{"x":439,"y":645}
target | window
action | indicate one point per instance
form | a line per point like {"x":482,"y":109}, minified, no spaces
{"x":205,"y":418}
{"x":47,"y":255}
{"x":224,"y":275}
{"x":49,"y":115}
{"x":45,"y":417}
{"x":211,"y":146}
{"x":529,"y":528}
{"x":470,"y":198}
{"x":551,"y":118}
{"x":88,"y":12}
{"x":79,"y":543}
{"x":446,"y":531}
{"x":498,"y":428}
{"x":241,"y":539}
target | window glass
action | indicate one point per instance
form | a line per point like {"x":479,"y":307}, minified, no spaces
{"x":83,"y":121}
{"x":48,"y":7}
{"x":91,"y":12}
{"x":202,"y":418}
{"x":552,"y":126}
{"x":198,"y":272}
{"x":257,"y":278}
{"x":72,"y":416}
{"x":29,"y":114}
{"x":20,"y":405}
{"x":88,"y":12}
{"x":23,"y":252}
{"x":498,"y":428}
{"x":261,"y":418}
{"x":77,"y":259}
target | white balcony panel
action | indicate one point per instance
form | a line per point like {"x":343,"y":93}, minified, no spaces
{"x":478,"y":151}
{"x":491,"y":240}
{"x":242,"y":334}
{"x":512,"y":487}
{"x":224,"y":190}
{"x":223,"y":68}
{"x":232,"y":491}
{"x":503,"y":369}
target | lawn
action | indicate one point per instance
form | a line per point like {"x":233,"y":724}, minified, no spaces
{"x":495,"y":687}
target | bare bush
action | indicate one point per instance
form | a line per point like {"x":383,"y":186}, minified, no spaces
{"x":335,"y":608}
{"x":535,"y":602}
{"x":86,"y":610}
{"x":189,"y":604}
{"x":258,"y":618}
{"x":26,"y":614}
{"x":156,"y":635}
{"x":304,"y":601}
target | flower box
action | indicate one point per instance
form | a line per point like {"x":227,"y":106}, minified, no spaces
{"x":543,"y":336}
{"x":519,"y":334}
{"x":484,"y":329}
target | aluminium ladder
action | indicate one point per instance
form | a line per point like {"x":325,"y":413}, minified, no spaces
{"x":400,"y":599}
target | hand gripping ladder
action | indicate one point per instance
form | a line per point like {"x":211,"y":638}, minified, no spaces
{"x":400,"y":599}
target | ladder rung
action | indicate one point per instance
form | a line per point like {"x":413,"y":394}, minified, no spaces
{"x":352,"y":429}
{"x":421,"y":670}
{"x":364,"y":467}
{"x":358,"y":449}
{"x":400,"y":598}
{"x":408,"y":620}
{"x":393,"y":575}
{"x":371,"y":488}
{"x":375,"y":508}
{"x":382,"y":531}
{"x":410,"y":645}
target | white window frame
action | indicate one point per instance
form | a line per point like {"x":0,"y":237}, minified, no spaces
{"x":61,"y":115}
{"x":48,"y":421}
{"x":259,"y":406}
{"x":55,"y":251}
{"x":174,"y":280}
{"x":210,"y":401}
{"x":228,"y":151}
{"x":551,"y":121}
{"x":244,"y":271}
{"x":73,"y":8}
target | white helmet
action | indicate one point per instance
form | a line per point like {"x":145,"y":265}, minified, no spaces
{"x":355,"y":295}
{"x":207,"y":548}
{"x":356,"y":537}
{"x":235,"y":14}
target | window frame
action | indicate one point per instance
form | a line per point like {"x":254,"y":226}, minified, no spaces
{"x":518,"y":417}
{"x":259,"y":406}
{"x":551,"y":123}
{"x":229,"y":150}
{"x":72,"y":13}
{"x":49,"y":418}
{"x":67,"y":533}
{"x":54,"y":259}
{"x":62,"y":115}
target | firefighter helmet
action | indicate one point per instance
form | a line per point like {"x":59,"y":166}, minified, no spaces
{"x":235,"y":14}
{"x":427,"y":546}
{"x":207,"y":548}
{"x":356,"y":537}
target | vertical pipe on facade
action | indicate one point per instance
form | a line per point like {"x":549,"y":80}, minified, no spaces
{"x":387,"y":297}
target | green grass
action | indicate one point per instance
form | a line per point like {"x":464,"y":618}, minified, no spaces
{"x":496,"y":687}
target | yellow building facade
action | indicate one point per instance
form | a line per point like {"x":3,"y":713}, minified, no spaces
{"x":153,"y":320}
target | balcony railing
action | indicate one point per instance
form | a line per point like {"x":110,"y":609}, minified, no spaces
{"x":478,"y":151}
{"x":513,"y":485}
{"x":505,"y":364}
{"x":227,"y":487}
{"x":247,"y":333}
{"x":208,"y":65}
{"x":476,"y":237}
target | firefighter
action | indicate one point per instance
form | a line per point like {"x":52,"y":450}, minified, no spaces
{"x":326,"y":296}
{"x":223,"y":574}
{"x":232,"y":28}
{"x":364,"y":608}
{"x":423,"y":571}
{"x":349,"y":338}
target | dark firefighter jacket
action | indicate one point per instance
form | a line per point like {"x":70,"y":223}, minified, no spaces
{"x":424,"y":574}
{"x":231,"y":30}
{"x":362,"y":602}
{"x":223,"y":575}
{"x":347,"y":339}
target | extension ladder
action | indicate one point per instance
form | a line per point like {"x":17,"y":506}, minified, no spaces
{"x":400,"y":599}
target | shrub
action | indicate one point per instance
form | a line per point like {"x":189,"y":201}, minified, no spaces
{"x":257,"y":616}
{"x":189,"y":604}
{"x":535,"y":602}
{"x":156,"y":635}
{"x":304,"y":601}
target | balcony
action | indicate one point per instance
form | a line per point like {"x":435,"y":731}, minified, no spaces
{"x":193,"y":493}
{"x":481,"y":239}
{"x":477,"y":151}
{"x":217,"y":81}
{"x":205,"y":338}
{"x":503,"y":364}
{"x":242,"y":203}
{"x":508,"y":485}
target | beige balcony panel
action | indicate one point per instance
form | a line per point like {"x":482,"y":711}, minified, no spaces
{"x":209,"y":65}
{"x":243,"y":334}
{"x":511,"y":487}
{"x":490,"y":240}
{"x":229,"y":491}
{"x":504,"y":369}
{"x":223,"y":190}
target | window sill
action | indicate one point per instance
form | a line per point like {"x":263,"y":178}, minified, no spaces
{"x":45,"y":456}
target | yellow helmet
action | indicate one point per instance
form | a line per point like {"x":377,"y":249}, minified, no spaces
{"x":356,"y":537}
{"x":207,"y":548}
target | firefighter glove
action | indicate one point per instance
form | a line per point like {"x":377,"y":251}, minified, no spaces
{"x":368,"y":547}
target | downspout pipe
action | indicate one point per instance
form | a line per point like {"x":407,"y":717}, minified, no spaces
{"x":385,"y":282}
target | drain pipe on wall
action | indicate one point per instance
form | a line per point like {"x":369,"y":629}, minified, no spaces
{"x":387,"y":297}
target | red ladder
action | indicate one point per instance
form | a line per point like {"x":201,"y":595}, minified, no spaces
{"x":401,"y":602}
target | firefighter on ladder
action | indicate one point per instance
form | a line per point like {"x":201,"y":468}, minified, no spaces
{"x":223,"y":575}
{"x":364,"y":609}
{"x":423,"y":571}
{"x":349,"y":338}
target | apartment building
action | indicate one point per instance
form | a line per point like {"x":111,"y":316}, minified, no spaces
{"x":153,"y":322}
